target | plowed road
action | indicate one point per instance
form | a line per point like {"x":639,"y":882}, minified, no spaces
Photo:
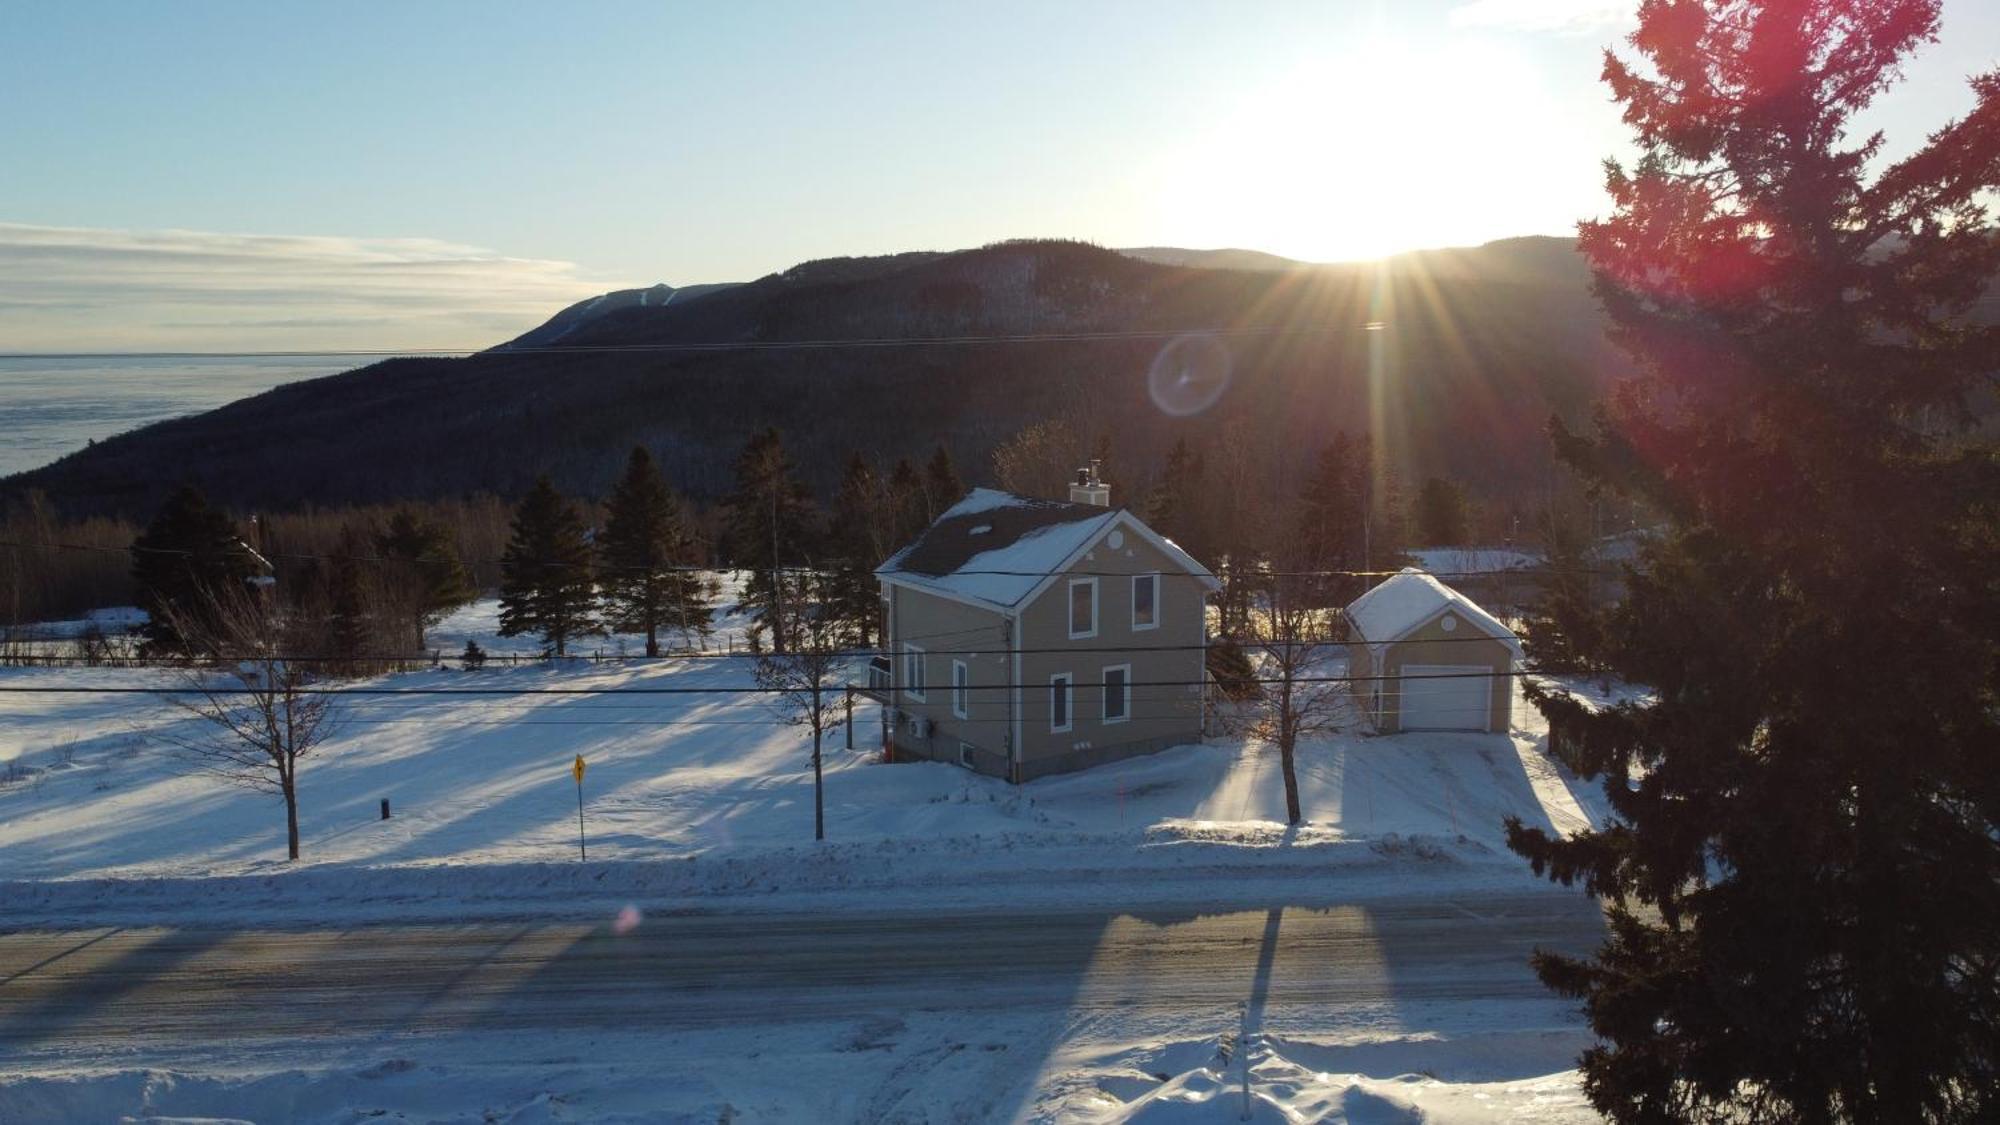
{"x":128,"y":989}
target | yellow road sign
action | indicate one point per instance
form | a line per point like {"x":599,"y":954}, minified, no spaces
{"x":577,"y":769}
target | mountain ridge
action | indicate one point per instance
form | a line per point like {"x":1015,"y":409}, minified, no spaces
{"x":894,"y":354}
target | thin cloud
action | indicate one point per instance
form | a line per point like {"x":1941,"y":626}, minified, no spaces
{"x":1563,"y":17}
{"x":92,"y":289}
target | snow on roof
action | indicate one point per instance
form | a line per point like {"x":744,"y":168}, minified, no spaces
{"x":998,"y":548}
{"x":995,"y":546}
{"x":1408,"y":601}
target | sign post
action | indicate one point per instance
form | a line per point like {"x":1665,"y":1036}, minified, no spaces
{"x":576,"y":771}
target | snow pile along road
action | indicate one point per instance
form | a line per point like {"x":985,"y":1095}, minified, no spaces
{"x":1284,"y":1080}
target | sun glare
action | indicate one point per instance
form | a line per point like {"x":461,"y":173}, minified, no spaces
{"x":1371,"y":152}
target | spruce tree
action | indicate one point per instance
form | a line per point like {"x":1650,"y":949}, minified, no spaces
{"x":545,"y":572}
{"x":1803,"y":860}
{"x":422,"y":568}
{"x":942,"y":486}
{"x":905,"y":502}
{"x":859,"y":542}
{"x":185,"y":561}
{"x":645,"y":557}
{"x":1331,"y":509}
{"x":349,"y":634}
{"x":1441,"y":517}
{"x":1560,"y":627}
{"x":770,"y":528}
{"x":1176,"y":508}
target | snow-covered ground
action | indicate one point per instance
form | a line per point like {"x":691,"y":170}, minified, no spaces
{"x":1463,"y":562}
{"x":113,"y":621}
{"x":700,"y":801}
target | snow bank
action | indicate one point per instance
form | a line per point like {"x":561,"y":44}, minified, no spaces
{"x":1408,"y":1079}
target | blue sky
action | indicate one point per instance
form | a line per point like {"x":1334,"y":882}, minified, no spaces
{"x":529,"y":155}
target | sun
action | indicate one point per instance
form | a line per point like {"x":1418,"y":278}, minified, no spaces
{"x":1368,"y":152}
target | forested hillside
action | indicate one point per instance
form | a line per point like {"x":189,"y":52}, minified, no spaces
{"x":1472,"y":350}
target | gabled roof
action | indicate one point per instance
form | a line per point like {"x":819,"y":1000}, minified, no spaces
{"x":1000,"y":549}
{"x":1408,"y":601}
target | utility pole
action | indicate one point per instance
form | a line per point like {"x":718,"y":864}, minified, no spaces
{"x":777,"y":578}
{"x":583,"y":852}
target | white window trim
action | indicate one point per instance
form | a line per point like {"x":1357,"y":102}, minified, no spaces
{"x":1155,"y":623}
{"x":961,"y":685}
{"x":1069,"y":703}
{"x":910,"y":687}
{"x":1104,"y":704}
{"x":1069,"y":609}
{"x":965,"y":750}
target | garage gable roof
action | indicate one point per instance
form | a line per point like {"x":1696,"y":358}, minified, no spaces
{"x":1408,"y":601}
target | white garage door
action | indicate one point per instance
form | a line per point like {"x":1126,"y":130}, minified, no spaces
{"x":1458,"y":697}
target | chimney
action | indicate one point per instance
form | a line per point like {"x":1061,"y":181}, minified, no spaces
{"x":1090,"y":488}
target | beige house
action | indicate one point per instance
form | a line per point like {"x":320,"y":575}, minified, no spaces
{"x":1029,"y":637}
{"x":1425,"y":657}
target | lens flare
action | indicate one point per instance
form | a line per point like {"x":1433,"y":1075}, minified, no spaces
{"x":1189,"y":374}
{"x":628,"y":920}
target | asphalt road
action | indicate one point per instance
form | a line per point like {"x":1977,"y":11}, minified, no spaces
{"x":127,"y":989}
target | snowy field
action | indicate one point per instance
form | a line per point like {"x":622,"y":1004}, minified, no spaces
{"x":703,"y":802}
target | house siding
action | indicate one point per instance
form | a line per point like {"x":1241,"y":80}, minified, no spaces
{"x":948,"y":630}
{"x":1168,"y":654}
{"x":1432,"y":644}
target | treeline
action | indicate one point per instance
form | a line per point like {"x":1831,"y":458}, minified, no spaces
{"x":1233,"y":500}
{"x":54,"y":569}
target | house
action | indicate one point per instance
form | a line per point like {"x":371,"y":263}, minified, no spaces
{"x":1425,"y":657}
{"x":1029,"y":636}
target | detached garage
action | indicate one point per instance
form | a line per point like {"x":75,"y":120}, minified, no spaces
{"x":1426,"y":658}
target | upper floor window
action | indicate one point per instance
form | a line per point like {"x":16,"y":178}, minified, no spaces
{"x":913,"y":671}
{"x":1082,"y":608}
{"x":959,"y":677}
{"x":1145,"y":601}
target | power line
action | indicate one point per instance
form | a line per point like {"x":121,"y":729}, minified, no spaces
{"x":712,"y":346}
{"x":689,"y":568}
{"x":831,"y":689}
{"x":517,"y":660}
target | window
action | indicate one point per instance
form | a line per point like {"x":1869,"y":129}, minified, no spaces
{"x":958,"y":692}
{"x":1145,"y":601}
{"x":1117,"y":693}
{"x":913,"y":671}
{"x":1059,"y":702}
{"x":1082,"y":608}
{"x":965,"y":752}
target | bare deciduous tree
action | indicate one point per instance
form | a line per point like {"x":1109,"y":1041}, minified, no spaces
{"x":1294,"y":645}
{"x":258,"y":714}
{"x":806,"y":679}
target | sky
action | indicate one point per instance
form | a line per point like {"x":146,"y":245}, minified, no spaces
{"x":383,"y":175}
